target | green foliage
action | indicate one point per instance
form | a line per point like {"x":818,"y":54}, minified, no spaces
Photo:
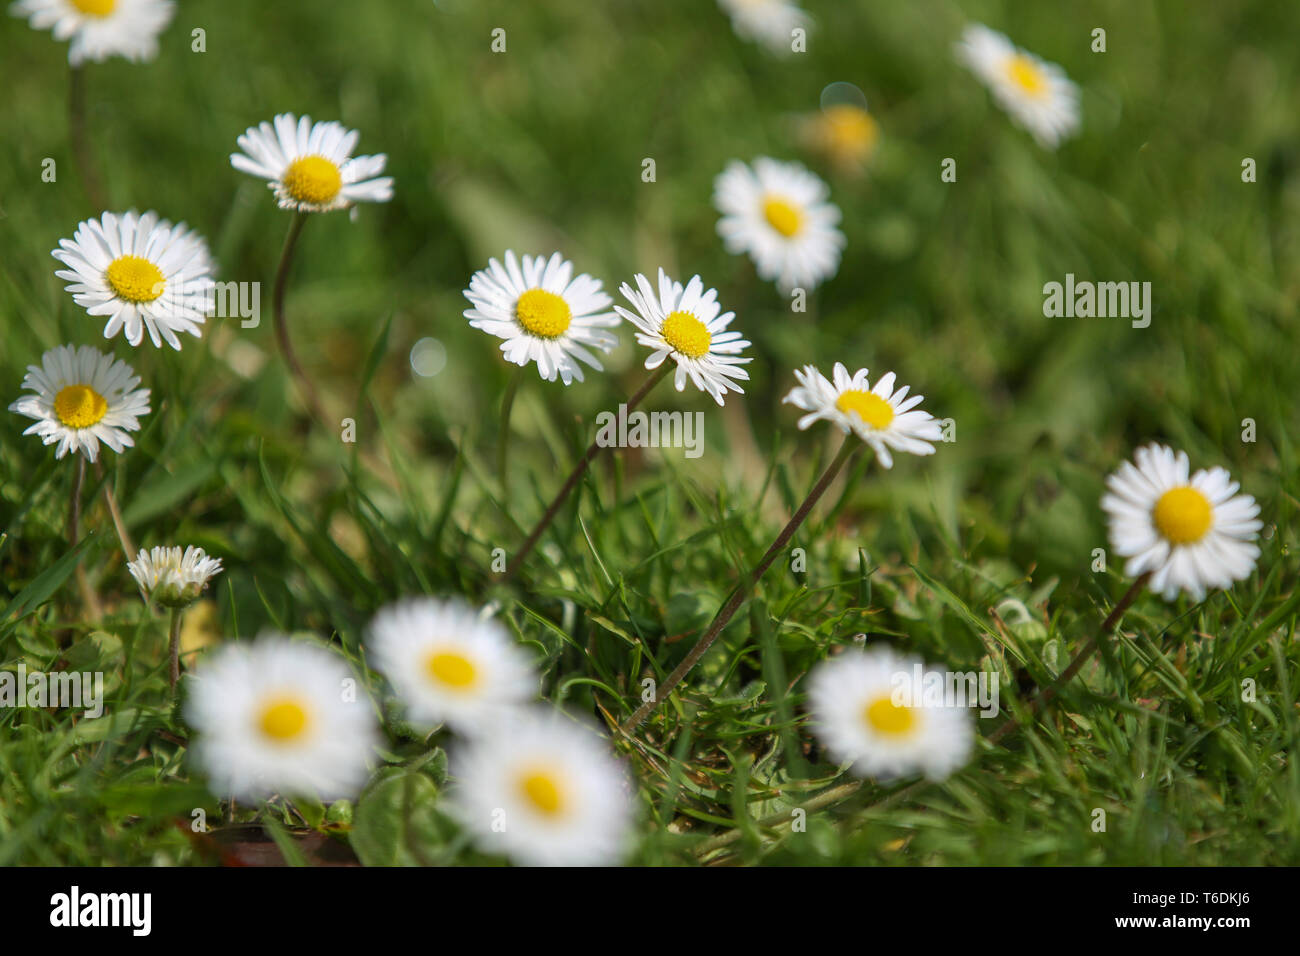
{"x":979,"y":557}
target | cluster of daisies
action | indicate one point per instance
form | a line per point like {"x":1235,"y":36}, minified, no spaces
{"x":283,"y":716}
{"x":143,"y":275}
{"x":776,"y":212}
{"x":278,"y":716}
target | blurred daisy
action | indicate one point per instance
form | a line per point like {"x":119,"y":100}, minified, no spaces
{"x":1191,"y":531}
{"x":310,"y":166}
{"x":172,"y":577}
{"x":769,"y":22}
{"x":545,"y":792}
{"x":448,"y":663}
{"x":277,"y":716}
{"x":880,"y":416}
{"x":142,"y":272}
{"x":543,"y":313}
{"x":778,"y":213}
{"x":99,"y":29}
{"x":1038,"y":95}
{"x":868,"y":710}
{"x":843,"y":132}
{"x":82,"y":397}
{"x":685,"y":323}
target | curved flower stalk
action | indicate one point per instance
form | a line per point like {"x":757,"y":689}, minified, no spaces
{"x":1182,"y":532}
{"x":881,"y":417}
{"x":684,"y":322}
{"x":309,"y":167}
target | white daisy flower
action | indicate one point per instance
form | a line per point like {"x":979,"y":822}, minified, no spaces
{"x":543,"y":313}
{"x":172,"y":577}
{"x":277,"y":716}
{"x":684,"y":322}
{"x":1192,"y":531}
{"x":448,"y":663}
{"x":768,"y":22}
{"x":310,"y":166}
{"x":142,"y":272}
{"x":869,"y":709}
{"x":99,"y":29}
{"x":778,"y":213}
{"x":83,"y":397}
{"x":545,"y":792}
{"x":1037,"y":95}
{"x":880,"y":416}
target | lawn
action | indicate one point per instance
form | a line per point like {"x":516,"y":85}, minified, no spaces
{"x":983,"y":557}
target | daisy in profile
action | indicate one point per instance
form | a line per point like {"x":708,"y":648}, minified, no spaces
{"x":770,"y":23}
{"x":142,"y":272}
{"x":779,"y":215}
{"x":278,"y":716}
{"x":543,"y":314}
{"x":882,"y":417}
{"x":1037,"y":95}
{"x":688,"y":324}
{"x":309,"y":166}
{"x":448,"y":663}
{"x":82,"y":397}
{"x":868,"y":710}
{"x":544,"y":791}
{"x":99,"y":29}
{"x":1191,"y":532}
{"x":174,"y":577}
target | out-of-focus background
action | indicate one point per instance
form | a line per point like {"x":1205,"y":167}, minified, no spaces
{"x":542,"y":148}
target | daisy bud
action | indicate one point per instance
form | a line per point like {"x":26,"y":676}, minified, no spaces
{"x":172,"y":577}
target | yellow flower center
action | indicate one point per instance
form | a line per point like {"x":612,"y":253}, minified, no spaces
{"x":95,"y":8}
{"x":868,"y":406}
{"x":451,"y":670}
{"x":1027,"y":75}
{"x":849,"y":131}
{"x":1182,"y":515}
{"x":313,"y":179}
{"x":284,"y":719}
{"x":135,"y":279}
{"x":782,"y":215}
{"x":80,"y":406}
{"x":686,"y":334}
{"x":543,"y":314}
{"x":541,"y":789}
{"x":884,"y":716}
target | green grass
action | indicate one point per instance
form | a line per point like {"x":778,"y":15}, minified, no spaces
{"x":978,"y":557}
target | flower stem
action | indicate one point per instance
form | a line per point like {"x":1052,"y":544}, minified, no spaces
{"x":88,"y":596}
{"x":503,"y":433}
{"x":579,"y":470}
{"x":1048,"y":693}
{"x":305,"y":385}
{"x":740,"y":593}
{"x":123,"y":536}
{"x":80,"y":142}
{"x":174,"y":650}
